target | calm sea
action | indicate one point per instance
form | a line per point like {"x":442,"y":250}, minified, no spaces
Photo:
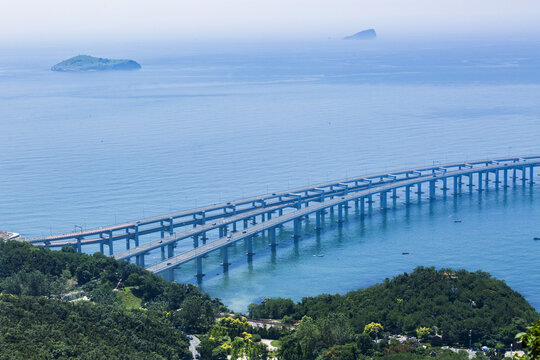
{"x":200,"y":125}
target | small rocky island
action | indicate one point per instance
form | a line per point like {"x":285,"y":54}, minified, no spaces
{"x":362,"y":35}
{"x":90,"y":63}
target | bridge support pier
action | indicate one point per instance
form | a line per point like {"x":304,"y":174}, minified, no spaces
{"x":170,"y":250}
{"x":444,"y":188}
{"x":195,"y":241}
{"x":505,"y":176}
{"x":162,"y":252}
{"x":340,"y":213}
{"x":296,"y":227}
{"x":432,"y":190}
{"x":170,"y":274}
{"x":419,"y":191}
{"x":136,"y":236}
{"x":531,"y":175}
{"x":249,"y":242}
{"x":225,"y":256}
{"x":234,"y":227}
{"x":523,"y":175}
{"x":407,"y":194}
{"x":514,"y":175}
{"x":383,"y":200}
{"x":317,"y":220}
{"x":455,"y":185}
{"x":362,"y":206}
{"x":480,"y":181}
{"x":245,"y":223}
{"x":171,"y":226}
{"x":497,"y":181}
{"x":139,"y":260}
{"x":199,"y":268}
{"x":101,"y":247}
{"x":470,"y":183}
{"x":79,"y":244}
{"x":486,"y":181}
{"x":370,"y":202}
{"x":272,"y":234}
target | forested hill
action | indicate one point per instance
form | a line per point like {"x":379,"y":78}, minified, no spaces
{"x":448,"y":302}
{"x":132,"y":313}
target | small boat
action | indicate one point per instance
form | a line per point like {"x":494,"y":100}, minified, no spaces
{"x":404,"y":253}
{"x":320,"y":255}
{"x":457,"y":221}
{"x":537,"y":238}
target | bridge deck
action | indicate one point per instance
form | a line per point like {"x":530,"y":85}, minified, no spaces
{"x":201,"y":251}
{"x":266,"y":197}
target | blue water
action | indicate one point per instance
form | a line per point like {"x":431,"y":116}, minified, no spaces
{"x":201,"y":125}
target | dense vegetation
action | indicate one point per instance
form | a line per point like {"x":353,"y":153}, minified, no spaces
{"x":440,"y":305}
{"x":132,"y":313}
{"x":113,"y":324}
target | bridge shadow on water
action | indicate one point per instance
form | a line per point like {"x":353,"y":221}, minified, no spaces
{"x":487,"y":230}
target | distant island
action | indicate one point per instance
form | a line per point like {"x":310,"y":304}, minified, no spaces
{"x":362,"y":35}
{"x":91,"y":63}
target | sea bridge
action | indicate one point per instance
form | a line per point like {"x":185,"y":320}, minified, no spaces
{"x":243,"y":219}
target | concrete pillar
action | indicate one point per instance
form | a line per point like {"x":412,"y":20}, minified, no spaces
{"x":340,"y":213}
{"x":199,"y":267}
{"x":136,"y":235}
{"x":362,"y":206}
{"x":163,"y":253}
{"x":514,"y":175}
{"x":234,"y":227}
{"x":111,"y":244}
{"x":497,"y":181}
{"x":531,"y":175}
{"x":317,"y":220}
{"x":524,"y":175}
{"x":480,"y":181}
{"x":280,"y":212}
{"x":196,"y":241}
{"x":486,"y":181}
{"x":407,"y":194}
{"x":432,"y":189}
{"x":171,"y":226}
{"x":470,"y":182}
{"x":419,"y":191}
{"x":356,"y":204}
{"x":162,"y":231}
{"x":296,"y":224}
{"x":382,"y":200}
{"x":245,"y":223}
{"x":101,"y":246}
{"x":170,"y":274}
{"x":225,"y":255}
{"x":249,"y":241}
{"x":370,"y":202}
{"x":272,"y":234}
{"x":505,"y":176}
{"x":445,"y":188}
{"x":455,"y":185}
{"x":269,"y":215}
{"x":140,"y":259}
{"x":79,"y":245}
{"x":170,"y":250}
{"x":221,"y":232}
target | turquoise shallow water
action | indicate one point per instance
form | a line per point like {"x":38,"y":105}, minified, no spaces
{"x":199,"y":127}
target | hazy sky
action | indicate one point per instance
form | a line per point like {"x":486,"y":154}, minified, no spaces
{"x":57,"y":20}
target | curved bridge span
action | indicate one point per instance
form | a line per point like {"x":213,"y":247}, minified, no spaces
{"x":237,"y":220}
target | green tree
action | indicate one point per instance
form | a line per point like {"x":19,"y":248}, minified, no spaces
{"x":530,"y":342}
